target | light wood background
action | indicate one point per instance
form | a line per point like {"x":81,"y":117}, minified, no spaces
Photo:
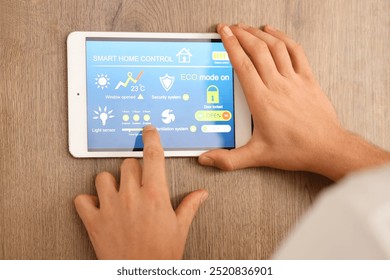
{"x":249,"y":211}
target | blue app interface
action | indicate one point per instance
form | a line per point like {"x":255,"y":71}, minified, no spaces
{"x":182,"y":87}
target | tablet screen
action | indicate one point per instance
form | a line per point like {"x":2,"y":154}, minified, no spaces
{"x":184,"y":87}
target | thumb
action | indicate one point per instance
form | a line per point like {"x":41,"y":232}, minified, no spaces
{"x":188,"y":208}
{"x":229,"y":159}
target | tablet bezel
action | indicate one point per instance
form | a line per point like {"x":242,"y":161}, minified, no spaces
{"x":77,"y":96}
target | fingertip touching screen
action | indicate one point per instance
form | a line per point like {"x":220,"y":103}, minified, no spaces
{"x":183,"y":87}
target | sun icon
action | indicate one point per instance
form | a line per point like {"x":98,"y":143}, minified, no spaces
{"x":102,"y":81}
{"x":103,"y":115}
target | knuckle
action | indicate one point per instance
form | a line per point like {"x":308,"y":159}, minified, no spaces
{"x":151,"y":193}
{"x":278,"y":46}
{"x":226,"y":165}
{"x":154,"y":196}
{"x":246,"y":65}
{"x":260,"y":46}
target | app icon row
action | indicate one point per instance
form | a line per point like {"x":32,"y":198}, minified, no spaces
{"x":103,"y":115}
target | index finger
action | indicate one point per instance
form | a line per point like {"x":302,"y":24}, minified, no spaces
{"x":246,"y":71}
{"x":153,"y":175}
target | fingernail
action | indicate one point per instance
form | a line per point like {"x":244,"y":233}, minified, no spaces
{"x":227,"y":31}
{"x":149,"y":127}
{"x":204,"y":196}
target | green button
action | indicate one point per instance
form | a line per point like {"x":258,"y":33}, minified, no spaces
{"x":213,"y":116}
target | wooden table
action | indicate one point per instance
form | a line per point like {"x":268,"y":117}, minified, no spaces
{"x":249,"y":211}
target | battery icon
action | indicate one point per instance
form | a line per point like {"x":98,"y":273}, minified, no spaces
{"x":220,"y":56}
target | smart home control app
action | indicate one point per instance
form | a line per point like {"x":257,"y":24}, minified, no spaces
{"x":182,"y":87}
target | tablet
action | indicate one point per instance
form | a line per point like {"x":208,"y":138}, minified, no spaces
{"x":181,"y":83}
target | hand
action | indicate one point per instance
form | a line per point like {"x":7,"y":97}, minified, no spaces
{"x":295,"y":125}
{"x":293,"y":118}
{"x":137,"y":221}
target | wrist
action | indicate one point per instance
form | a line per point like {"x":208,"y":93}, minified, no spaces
{"x":346,"y":153}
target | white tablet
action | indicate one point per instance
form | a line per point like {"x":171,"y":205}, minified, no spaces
{"x":181,"y":83}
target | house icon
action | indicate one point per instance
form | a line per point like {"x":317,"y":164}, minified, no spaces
{"x":184,"y":55}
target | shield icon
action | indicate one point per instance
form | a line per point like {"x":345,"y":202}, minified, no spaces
{"x":167,"y":81}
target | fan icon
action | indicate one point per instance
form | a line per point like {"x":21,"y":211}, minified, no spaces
{"x":167,"y":116}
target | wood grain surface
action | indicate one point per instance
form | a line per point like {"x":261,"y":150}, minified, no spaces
{"x":248,"y":212}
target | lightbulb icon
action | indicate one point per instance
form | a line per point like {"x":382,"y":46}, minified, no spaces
{"x":103,"y":115}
